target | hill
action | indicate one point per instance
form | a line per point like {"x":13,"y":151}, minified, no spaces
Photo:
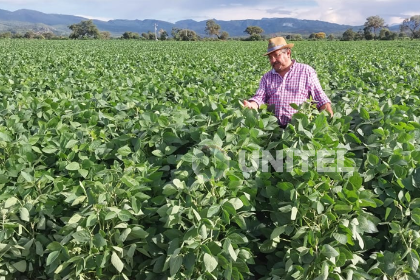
{"x":25,"y":20}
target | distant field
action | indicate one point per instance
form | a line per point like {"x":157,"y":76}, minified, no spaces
{"x":134,"y":160}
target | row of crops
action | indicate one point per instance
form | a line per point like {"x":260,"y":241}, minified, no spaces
{"x":134,"y":160}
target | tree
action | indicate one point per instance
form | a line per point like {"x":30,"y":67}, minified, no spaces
{"x":163,"y":35}
{"x":184,"y":34}
{"x":320,"y":35}
{"x":296,"y":37}
{"x":17,"y":36}
{"x":224,"y":35}
{"x":6,"y":35}
{"x":368,"y":35}
{"x":152,"y":36}
{"x":386,"y":34}
{"x":411,"y":24}
{"x":212,"y":28}
{"x":349,"y":35}
{"x":29,"y":35}
{"x":254,"y":30}
{"x":48,"y":35}
{"x":130,"y":35}
{"x":359,"y":35}
{"x":375,"y":23}
{"x":84,"y":29}
{"x":149,"y":35}
{"x":105,"y":35}
{"x":330,"y":37}
{"x":188,"y":35}
{"x":175,"y":32}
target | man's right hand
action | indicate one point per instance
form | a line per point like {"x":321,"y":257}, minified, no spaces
{"x":251,"y":104}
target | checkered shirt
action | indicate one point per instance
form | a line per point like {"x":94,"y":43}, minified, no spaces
{"x":299,"y":83}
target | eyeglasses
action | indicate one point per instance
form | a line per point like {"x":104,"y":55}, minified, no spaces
{"x":275,"y":55}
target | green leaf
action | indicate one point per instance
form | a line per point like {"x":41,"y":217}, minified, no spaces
{"x":294,"y":213}
{"x":3,"y":179}
{"x":124,"y":151}
{"x":213,"y":210}
{"x":73,"y":166}
{"x":130,"y":182}
{"x":237,"y":203}
{"x":341,"y":238}
{"x":28,"y":177}
{"x":138,"y":232}
{"x":178,"y":184}
{"x":175,"y":264}
{"x":415,"y":216}
{"x":373,"y":159}
{"x":99,"y":241}
{"x":83,"y":172}
{"x":329,"y":251}
{"x":229,"y":208}
{"x":110,"y":215}
{"x":52,"y":257}
{"x":5,"y":137}
{"x":268,"y":246}
{"x":82,"y":236}
{"x":341,"y":207}
{"x":356,"y":180}
{"x":169,"y":190}
{"x":124,"y":215}
{"x":169,"y":150}
{"x":158,"y":153}
{"x":10,"y":202}
{"x":54,"y":246}
{"x":210,"y":262}
{"x":71,"y":144}
{"x":366,"y":225}
{"x":364,"y":114}
{"x":78,"y":200}
{"x":413,"y":260}
{"x":20,"y":266}
{"x":74,"y":219}
{"x":49,"y":150}
{"x":277,"y":231}
{"x":116,"y":262}
{"x":24,"y":214}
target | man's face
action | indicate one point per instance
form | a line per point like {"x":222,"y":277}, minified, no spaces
{"x":279,"y":59}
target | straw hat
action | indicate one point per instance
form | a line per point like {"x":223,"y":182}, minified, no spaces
{"x":277,"y":43}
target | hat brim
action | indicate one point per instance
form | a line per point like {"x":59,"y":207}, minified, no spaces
{"x":288,"y":46}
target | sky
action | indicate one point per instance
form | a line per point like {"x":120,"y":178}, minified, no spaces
{"x":352,"y":12}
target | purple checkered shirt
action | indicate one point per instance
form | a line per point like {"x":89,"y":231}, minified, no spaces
{"x":299,"y":83}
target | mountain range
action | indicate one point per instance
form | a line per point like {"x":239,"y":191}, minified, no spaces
{"x":25,"y":20}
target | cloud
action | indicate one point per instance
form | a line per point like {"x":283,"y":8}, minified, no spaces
{"x":352,"y":12}
{"x":279,"y":11}
{"x":93,"y":17}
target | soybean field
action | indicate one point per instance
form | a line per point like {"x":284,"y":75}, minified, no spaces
{"x":136,"y":160}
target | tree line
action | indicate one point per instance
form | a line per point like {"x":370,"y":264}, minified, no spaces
{"x":88,"y":30}
{"x":373,"y":24}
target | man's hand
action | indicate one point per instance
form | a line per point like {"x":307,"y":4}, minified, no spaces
{"x":251,"y":104}
{"x":327,"y":107}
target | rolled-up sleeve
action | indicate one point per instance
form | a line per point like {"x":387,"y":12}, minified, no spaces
{"x":261,"y":93}
{"x":316,"y":90}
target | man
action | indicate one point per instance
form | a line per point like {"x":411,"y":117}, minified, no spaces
{"x":287,"y":82}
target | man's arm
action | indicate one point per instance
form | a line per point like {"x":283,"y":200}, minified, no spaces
{"x":328,"y":108}
{"x":318,"y":93}
{"x":259,"y":97}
